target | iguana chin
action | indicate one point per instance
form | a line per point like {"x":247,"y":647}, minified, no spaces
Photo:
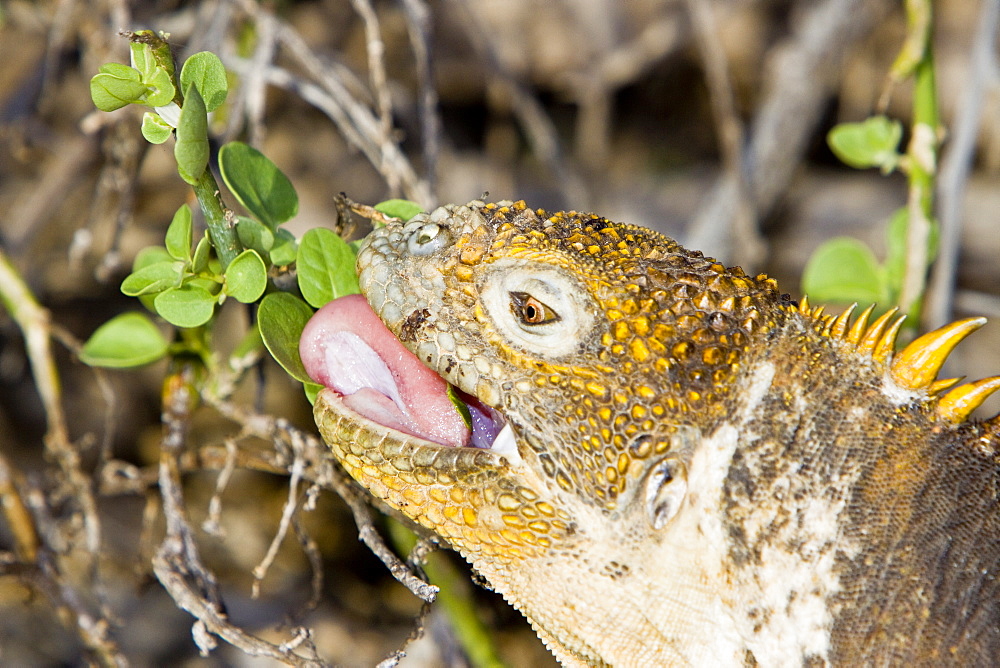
{"x":670,"y":462}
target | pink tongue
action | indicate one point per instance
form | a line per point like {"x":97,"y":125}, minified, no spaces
{"x":347,"y":348}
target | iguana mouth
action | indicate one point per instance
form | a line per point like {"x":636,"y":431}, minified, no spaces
{"x":346,"y":348}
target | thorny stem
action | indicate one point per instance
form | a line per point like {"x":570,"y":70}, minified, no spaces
{"x":922,"y":168}
{"x":218,"y":218}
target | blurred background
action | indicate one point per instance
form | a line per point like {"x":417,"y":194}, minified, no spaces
{"x":705,"y":119}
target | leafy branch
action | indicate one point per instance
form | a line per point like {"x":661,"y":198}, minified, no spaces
{"x":188,"y":278}
{"x":844,"y":269}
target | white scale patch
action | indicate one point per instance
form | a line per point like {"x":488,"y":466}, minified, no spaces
{"x":791,"y":585}
{"x":899,"y":396}
{"x":794,"y":585}
{"x":702,"y":615}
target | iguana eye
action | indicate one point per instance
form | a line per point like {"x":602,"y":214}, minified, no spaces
{"x":537,"y":308}
{"x":530,"y":311}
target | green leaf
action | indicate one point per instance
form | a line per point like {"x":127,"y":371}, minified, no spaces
{"x":258,"y":184}
{"x":312,"y":390}
{"x":151,"y":51}
{"x":160,"y":89}
{"x":213,"y":286}
{"x":186,"y":306}
{"x":158,"y":79}
{"x":844,"y":270}
{"x":205,"y":71}
{"x":199,"y":262}
{"x":150,"y":255}
{"x":281,"y":318}
{"x":325,"y":267}
{"x":254,"y":234}
{"x":284,"y":250}
{"x":403,"y":209}
{"x":460,"y":406}
{"x":178,"y":239}
{"x":246,"y":277}
{"x":116,"y":86}
{"x":120,"y":71}
{"x":191,"y":148}
{"x":155,"y":129}
{"x":155,"y":277}
{"x":127,"y":340}
{"x":142,"y":59}
{"x":871,"y":143}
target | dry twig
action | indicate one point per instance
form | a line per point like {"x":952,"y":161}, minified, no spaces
{"x":802,"y":75}
{"x":729,"y":128}
{"x":324,"y":87}
{"x":537,"y":125}
{"x":177,"y":563}
{"x":320,"y":469}
{"x":418,"y":25}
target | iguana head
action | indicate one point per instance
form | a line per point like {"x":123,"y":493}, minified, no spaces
{"x":602,"y":365}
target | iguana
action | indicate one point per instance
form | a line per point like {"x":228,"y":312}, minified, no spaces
{"x":670,"y":462}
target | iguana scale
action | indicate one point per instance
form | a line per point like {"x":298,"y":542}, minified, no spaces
{"x":670,"y":462}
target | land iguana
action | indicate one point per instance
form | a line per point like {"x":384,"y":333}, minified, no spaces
{"x":669,"y":461}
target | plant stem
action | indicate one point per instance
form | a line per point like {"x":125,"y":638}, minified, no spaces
{"x":455,"y":598}
{"x":33,"y":320}
{"x":922,"y":153}
{"x":218,"y":218}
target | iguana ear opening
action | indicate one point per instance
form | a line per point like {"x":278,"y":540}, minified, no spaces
{"x":666,"y":486}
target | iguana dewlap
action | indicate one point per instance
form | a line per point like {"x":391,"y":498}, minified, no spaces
{"x":670,"y":462}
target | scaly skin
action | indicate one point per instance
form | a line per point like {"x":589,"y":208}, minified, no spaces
{"x":707,"y":473}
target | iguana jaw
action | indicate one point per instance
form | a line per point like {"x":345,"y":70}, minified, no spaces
{"x":388,"y":420}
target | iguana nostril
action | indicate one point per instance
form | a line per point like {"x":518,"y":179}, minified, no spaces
{"x":427,"y":239}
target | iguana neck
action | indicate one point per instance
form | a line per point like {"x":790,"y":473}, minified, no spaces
{"x":799,"y":535}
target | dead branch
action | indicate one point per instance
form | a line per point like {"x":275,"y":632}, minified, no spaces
{"x":37,"y":542}
{"x":729,"y":129}
{"x":525,"y":107}
{"x":177,"y":563}
{"x":287,"y":512}
{"x":323,"y":87}
{"x":802,"y":74}
{"x":418,"y":26}
{"x":330,"y":476}
{"x":34,"y":323}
